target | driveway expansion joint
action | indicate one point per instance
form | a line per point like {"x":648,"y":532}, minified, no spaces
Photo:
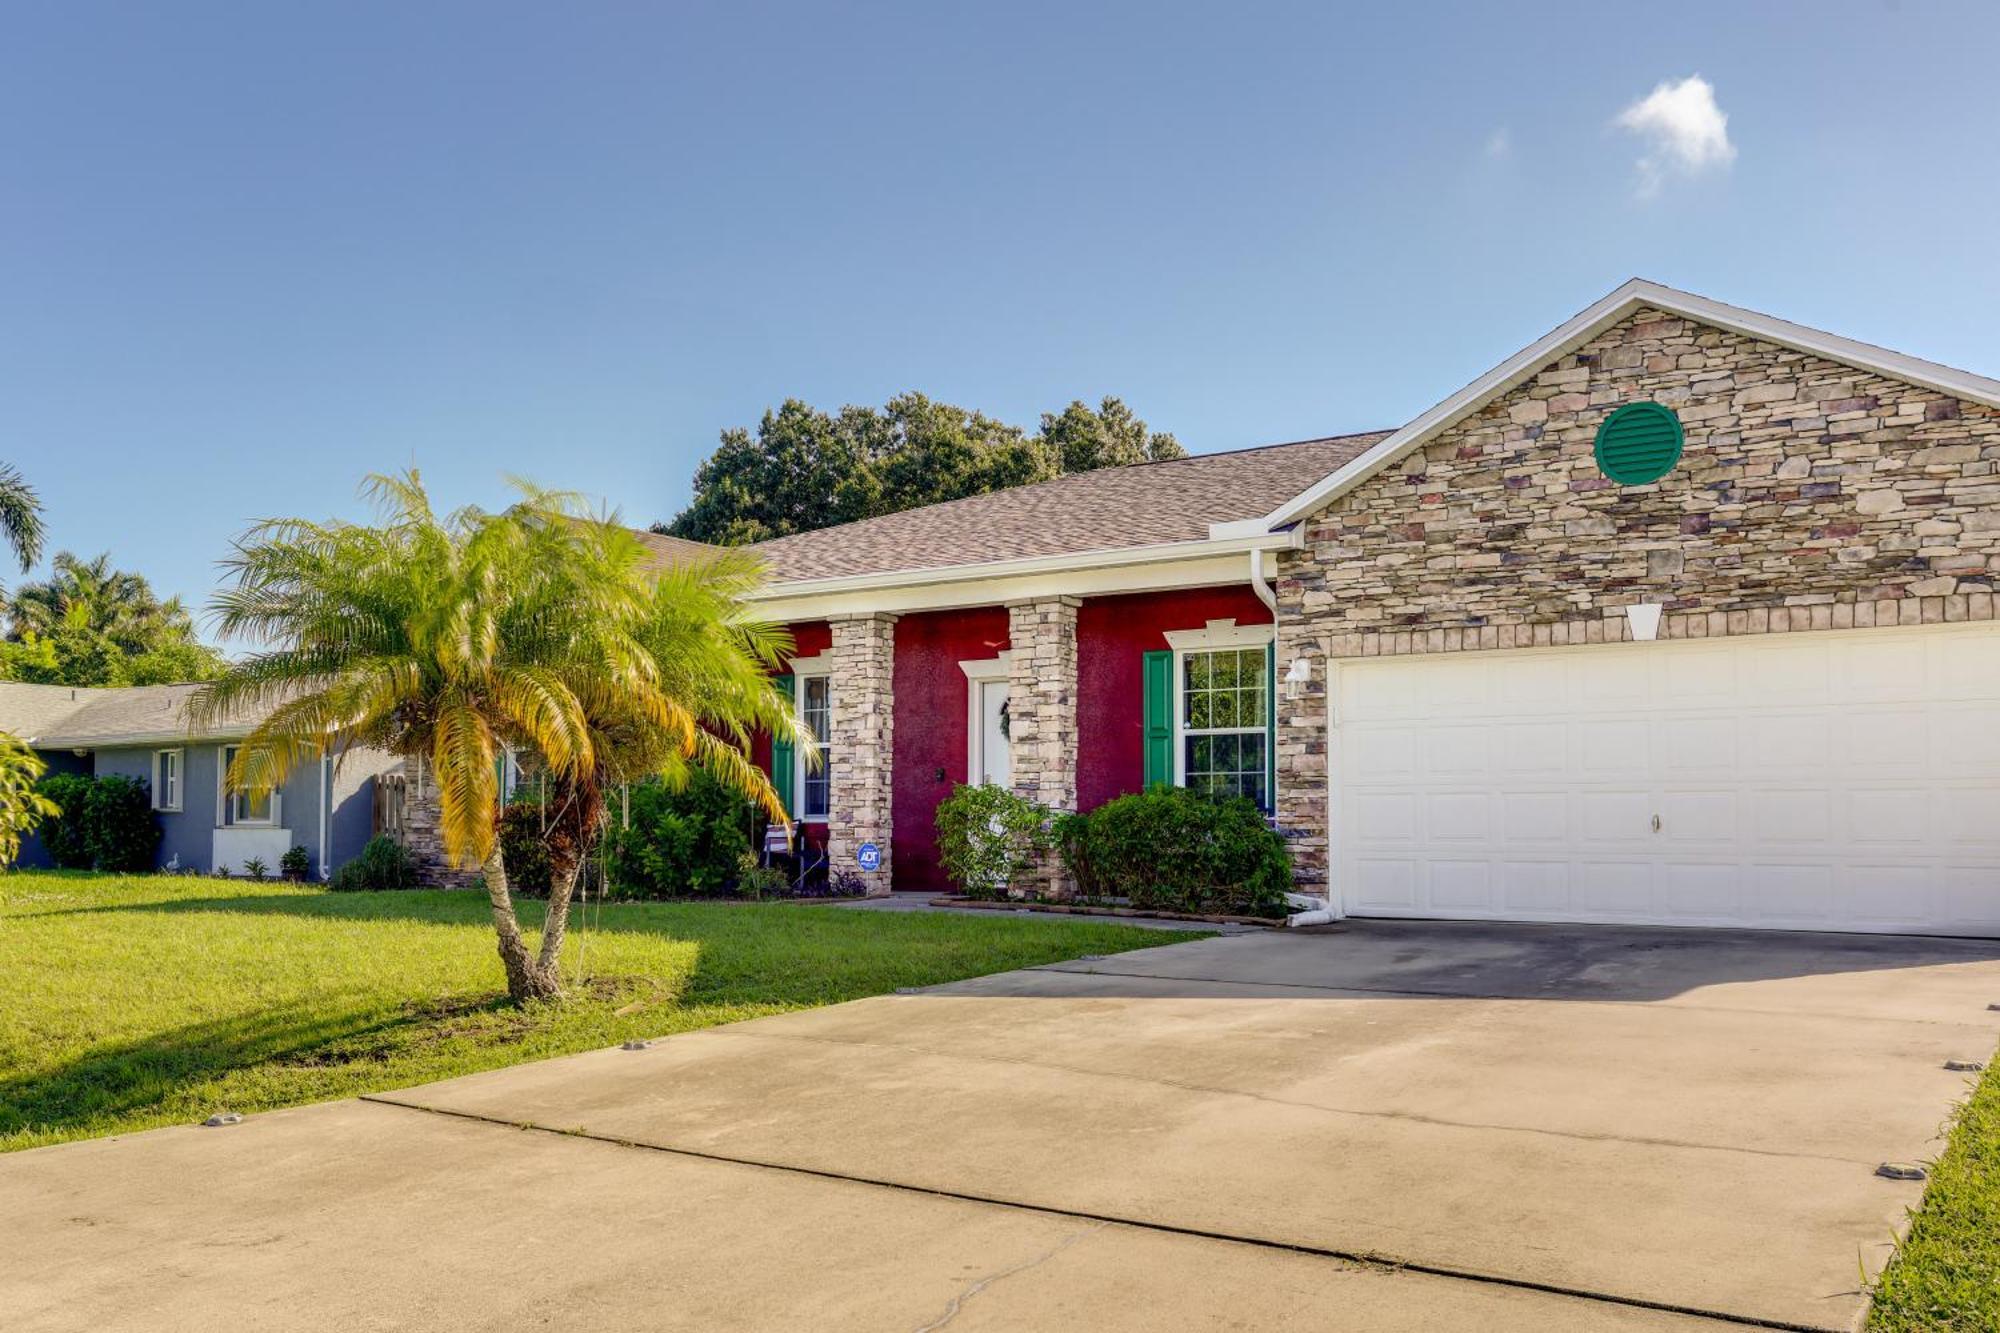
{"x":1381,"y":1262}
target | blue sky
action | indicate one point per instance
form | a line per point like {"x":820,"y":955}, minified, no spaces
{"x":249,"y":252}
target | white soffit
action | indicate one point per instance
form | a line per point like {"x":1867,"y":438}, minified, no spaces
{"x":1582,"y":328}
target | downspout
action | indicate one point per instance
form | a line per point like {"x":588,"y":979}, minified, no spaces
{"x":325,"y":807}
{"x":1308,"y":910}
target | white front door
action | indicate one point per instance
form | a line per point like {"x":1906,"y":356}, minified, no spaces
{"x":1819,"y":781}
{"x":991,"y":759}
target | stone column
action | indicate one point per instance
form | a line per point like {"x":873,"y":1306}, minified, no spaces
{"x":422,"y":834}
{"x":858,"y":802}
{"x":1041,"y":711}
{"x":1301,"y":758}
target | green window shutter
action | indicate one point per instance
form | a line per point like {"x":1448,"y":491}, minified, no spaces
{"x":782,"y":750}
{"x":1639,"y":443}
{"x":1159,"y":683}
{"x":1271,"y":724}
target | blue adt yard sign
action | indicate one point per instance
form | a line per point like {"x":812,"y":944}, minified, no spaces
{"x":870,"y":856}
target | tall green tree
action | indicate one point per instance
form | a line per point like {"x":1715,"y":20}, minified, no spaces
{"x":1112,"y":435}
{"x":454,"y":637}
{"x":805,"y":468}
{"x":92,"y":624}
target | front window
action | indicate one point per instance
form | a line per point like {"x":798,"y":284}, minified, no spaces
{"x":816,"y":711}
{"x":247,"y":807}
{"x":1224,"y":720}
{"x":167,"y":780}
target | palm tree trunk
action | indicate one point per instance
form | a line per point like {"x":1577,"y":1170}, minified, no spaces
{"x":526,"y":979}
{"x":562,"y":887}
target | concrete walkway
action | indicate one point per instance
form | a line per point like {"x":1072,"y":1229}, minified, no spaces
{"x":1390,"y":1127}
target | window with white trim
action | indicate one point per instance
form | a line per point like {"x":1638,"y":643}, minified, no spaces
{"x":167,"y":780}
{"x":248,"y":808}
{"x":814,"y":783}
{"x":1224,"y":720}
{"x":1222,"y":710}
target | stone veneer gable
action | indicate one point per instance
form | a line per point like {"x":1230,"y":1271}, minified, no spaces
{"x":1811,"y":495}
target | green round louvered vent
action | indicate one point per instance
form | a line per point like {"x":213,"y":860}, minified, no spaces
{"x":1638,"y":443}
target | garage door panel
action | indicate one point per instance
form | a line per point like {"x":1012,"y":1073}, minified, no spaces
{"x":1704,"y":817}
{"x":1837,"y":780}
{"x":1463,"y":887}
{"x":1535,"y":888}
{"x":1610,"y":816}
{"x":1531,"y":817}
{"x":1615,"y":889}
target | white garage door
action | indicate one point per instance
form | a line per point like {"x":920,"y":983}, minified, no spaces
{"x":1824,"y":781}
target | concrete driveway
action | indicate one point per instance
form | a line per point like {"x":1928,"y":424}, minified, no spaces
{"x":1385,"y":1127}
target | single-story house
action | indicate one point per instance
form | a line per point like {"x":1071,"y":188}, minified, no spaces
{"x":330,"y":808}
{"x":1682,"y":615}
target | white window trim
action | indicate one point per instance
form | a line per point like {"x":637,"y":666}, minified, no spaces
{"x":802,"y":668}
{"x":225,"y":797}
{"x":978,"y":673}
{"x":1219,"y":635}
{"x":180,"y":780}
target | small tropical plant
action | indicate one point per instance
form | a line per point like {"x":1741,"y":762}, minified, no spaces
{"x":254,"y":868}
{"x":988,"y":837}
{"x":295,"y":864}
{"x":22,"y":806}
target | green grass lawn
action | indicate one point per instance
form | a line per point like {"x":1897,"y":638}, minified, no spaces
{"x":1946,"y":1276}
{"x":131,"y":1002}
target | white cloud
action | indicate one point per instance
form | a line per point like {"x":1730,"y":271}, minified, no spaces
{"x":1499,"y":144}
{"x":1685,"y":132}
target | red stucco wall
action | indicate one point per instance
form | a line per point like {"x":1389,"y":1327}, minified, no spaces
{"x":1112,"y":635}
{"x":929,"y":734}
{"x":809,"y":639}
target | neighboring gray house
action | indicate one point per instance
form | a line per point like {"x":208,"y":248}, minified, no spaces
{"x":329,"y":807}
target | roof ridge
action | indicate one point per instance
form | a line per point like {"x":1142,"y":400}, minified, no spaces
{"x":1066,"y":478}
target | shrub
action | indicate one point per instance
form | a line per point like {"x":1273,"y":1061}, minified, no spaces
{"x":1171,"y":850}
{"x":121,"y":829}
{"x":987,"y":836}
{"x":682,"y":843}
{"x":295,"y":864}
{"x":382,"y":864}
{"x":254,"y":868}
{"x":64,"y":833}
{"x":107,"y":823}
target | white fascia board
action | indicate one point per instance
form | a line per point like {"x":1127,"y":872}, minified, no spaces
{"x":130,"y":739}
{"x":1092,"y":573}
{"x":1215,"y":571}
{"x":1582,"y":328}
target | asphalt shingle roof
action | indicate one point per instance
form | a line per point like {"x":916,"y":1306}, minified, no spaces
{"x":59,"y":716}
{"x":1112,"y":508}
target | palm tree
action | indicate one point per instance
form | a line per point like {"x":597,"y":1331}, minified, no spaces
{"x":451,"y":639}
{"x":20,"y":516}
{"x":715,"y":661}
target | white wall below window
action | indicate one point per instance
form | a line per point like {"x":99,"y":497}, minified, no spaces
{"x":233,"y":846}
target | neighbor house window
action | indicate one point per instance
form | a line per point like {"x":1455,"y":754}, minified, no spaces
{"x":246,"y":807}
{"x":816,"y":711}
{"x":1221,"y":710}
{"x":167,"y":780}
